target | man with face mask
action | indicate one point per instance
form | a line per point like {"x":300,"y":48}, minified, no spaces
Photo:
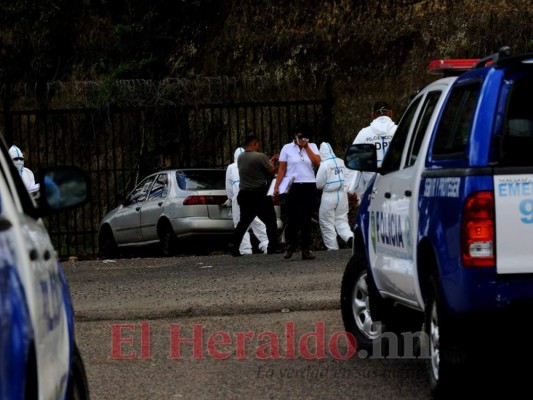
{"x":25,"y":173}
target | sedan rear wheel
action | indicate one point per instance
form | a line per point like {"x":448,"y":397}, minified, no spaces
{"x":168,"y":239}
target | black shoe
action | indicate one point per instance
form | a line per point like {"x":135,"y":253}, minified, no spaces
{"x":288,"y":253}
{"x":349,"y":243}
{"x":307,"y":255}
{"x":235,"y":251}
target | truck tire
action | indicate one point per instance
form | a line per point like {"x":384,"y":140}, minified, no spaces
{"x":447,"y":358}
{"x":357,"y":292}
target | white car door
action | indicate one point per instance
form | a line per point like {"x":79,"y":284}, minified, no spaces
{"x":127,"y":221}
{"x":394,"y":219}
{"x":390,"y":223}
{"x":153,"y":207}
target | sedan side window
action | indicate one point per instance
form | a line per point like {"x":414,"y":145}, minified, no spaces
{"x":140,"y":193}
{"x":160,"y":187}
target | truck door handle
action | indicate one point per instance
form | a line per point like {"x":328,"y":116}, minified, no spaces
{"x":160,"y":203}
{"x":387,"y":195}
{"x":137,"y":208}
{"x":408,"y":193}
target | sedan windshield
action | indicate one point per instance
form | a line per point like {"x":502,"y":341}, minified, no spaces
{"x":201,"y":180}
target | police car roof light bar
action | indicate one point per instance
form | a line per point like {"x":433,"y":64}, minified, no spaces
{"x":451,"y":67}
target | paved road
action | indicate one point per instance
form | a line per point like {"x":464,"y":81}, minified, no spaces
{"x":134,"y":318}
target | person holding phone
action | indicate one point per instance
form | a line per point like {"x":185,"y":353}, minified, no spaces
{"x":298,"y":159}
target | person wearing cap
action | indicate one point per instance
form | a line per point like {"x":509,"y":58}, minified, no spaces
{"x":232,"y":188}
{"x":298,"y":159}
{"x":379,"y":133}
{"x":25,"y":173}
{"x":333,"y":211}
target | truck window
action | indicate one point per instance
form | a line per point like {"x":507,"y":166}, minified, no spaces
{"x":456,"y":121}
{"x":428,"y":109}
{"x":393,"y":157}
{"x":518,"y":125}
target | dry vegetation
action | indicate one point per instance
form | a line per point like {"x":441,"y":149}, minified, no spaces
{"x":368,"y":49}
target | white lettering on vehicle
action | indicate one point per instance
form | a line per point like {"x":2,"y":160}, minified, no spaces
{"x":518,"y":187}
{"x":442,"y":187}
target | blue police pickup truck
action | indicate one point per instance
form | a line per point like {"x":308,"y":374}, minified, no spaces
{"x":445,"y":228}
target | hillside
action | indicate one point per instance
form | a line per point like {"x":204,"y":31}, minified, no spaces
{"x":367,"y":50}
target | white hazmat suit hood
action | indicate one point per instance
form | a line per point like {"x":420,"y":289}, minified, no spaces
{"x":27,"y":176}
{"x":15,"y":153}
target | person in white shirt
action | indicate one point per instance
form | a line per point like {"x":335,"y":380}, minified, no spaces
{"x":379,"y":133}
{"x":232,"y":188}
{"x":298,"y":159}
{"x":333,"y":211}
{"x":25,"y":173}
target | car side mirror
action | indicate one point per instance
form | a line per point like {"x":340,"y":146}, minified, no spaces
{"x":361,"y":157}
{"x":62,"y":188}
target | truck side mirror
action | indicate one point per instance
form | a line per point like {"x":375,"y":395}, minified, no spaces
{"x":361,"y":157}
{"x":62,"y":188}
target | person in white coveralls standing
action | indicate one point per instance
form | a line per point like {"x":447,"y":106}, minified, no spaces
{"x":333,"y":212}
{"x":379,"y":133}
{"x":232,"y":188}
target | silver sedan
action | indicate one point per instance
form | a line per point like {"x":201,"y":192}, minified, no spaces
{"x":167,"y":206}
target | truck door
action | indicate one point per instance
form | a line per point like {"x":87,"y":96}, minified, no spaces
{"x":395,"y":224}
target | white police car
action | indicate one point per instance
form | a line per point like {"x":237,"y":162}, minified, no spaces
{"x":38,"y":353}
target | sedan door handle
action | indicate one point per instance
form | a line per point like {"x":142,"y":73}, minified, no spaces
{"x":137,"y":208}
{"x":387,"y":195}
{"x":160,"y":203}
{"x":408,"y":193}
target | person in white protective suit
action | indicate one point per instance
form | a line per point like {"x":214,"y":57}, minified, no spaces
{"x":232,"y":188}
{"x":379,"y":133}
{"x":26,"y":174}
{"x":333,"y":211}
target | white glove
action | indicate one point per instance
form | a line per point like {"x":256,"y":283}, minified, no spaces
{"x":227,"y":203}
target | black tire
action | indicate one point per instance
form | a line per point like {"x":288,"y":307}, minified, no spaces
{"x":168,"y":240}
{"x":447,"y":363}
{"x":107,"y":244}
{"x":380,"y":328}
{"x":77,"y":387}
{"x":357,"y":292}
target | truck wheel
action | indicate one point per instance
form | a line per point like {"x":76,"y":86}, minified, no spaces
{"x":77,"y":387}
{"x":447,"y":361}
{"x":357,"y":291}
